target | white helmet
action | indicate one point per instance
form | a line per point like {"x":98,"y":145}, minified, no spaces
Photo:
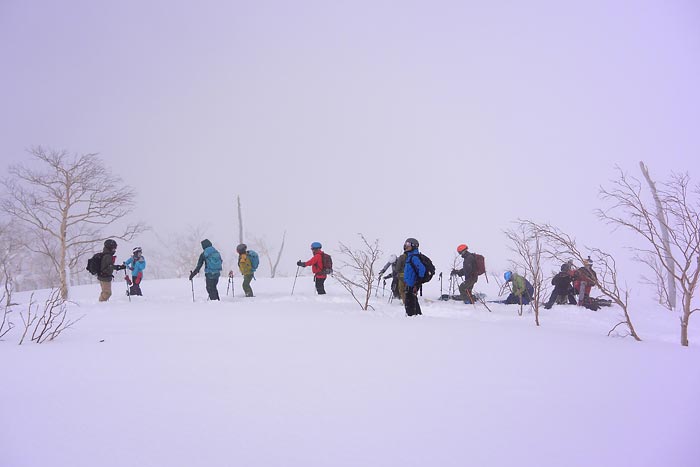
{"x":392,"y":258}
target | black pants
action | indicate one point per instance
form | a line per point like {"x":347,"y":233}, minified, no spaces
{"x":211,"y":281}
{"x":319,"y":285}
{"x":135,"y":289}
{"x":569,"y":294}
{"x":513,"y":299}
{"x":411,"y":303}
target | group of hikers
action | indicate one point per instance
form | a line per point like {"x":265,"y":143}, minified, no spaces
{"x":408,"y":272}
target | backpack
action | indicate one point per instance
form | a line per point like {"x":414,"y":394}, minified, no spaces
{"x":254,"y":259}
{"x":480,"y":267}
{"x":327,"y":263}
{"x":429,"y":268}
{"x":213,"y":260}
{"x":94,"y":263}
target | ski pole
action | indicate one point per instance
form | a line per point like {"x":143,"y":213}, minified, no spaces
{"x":228,"y":286}
{"x":295,"y":280}
{"x":192,"y":283}
{"x":384,"y":288}
{"x":126,"y":281}
{"x":440,"y":284}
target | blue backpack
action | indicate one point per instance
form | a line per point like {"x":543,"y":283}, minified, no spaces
{"x":213,"y":260}
{"x":254,"y":259}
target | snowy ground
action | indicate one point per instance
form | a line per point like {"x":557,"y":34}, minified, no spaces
{"x":303,"y":380}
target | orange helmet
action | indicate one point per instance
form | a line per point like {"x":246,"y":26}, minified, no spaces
{"x":461,"y":248}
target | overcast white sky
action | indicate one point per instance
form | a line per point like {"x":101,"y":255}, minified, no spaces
{"x":442,"y":120}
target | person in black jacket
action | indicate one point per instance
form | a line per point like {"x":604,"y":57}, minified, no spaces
{"x":107,"y":268}
{"x":563,"y":288}
{"x":468,"y":271}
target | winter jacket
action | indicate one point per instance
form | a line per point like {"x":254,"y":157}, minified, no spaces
{"x":521,"y":286}
{"x":209,"y":258}
{"x":316,"y":263}
{"x":414,"y":269}
{"x":468,"y":265}
{"x":136,"y":265}
{"x":245,"y":265}
{"x":106,"y":273}
{"x":562,"y":282}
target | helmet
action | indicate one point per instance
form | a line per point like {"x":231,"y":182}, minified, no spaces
{"x":392,"y":258}
{"x":507,"y":276}
{"x":461,"y":248}
{"x":410,"y":241}
{"x":316,"y":245}
{"x":110,"y":244}
{"x":136,"y":251}
{"x":240,"y":249}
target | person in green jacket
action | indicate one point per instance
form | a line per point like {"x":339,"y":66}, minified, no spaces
{"x":521,"y":289}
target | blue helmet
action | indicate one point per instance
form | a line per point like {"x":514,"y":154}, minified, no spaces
{"x":507,"y":275}
{"x":316,"y":245}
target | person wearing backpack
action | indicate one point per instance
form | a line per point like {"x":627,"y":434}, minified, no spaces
{"x":413,"y":274}
{"x":394,"y":274}
{"x":136,"y":264}
{"x":470,"y":273}
{"x":247,"y":263}
{"x":107,"y":267}
{"x":211,"y":259}
{"x":521,"y":289}
{"x":563,"y":290}
{"x":317,"y":267}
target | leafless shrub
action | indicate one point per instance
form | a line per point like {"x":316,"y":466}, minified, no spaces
{"x":5,"y":324}
{"x":561,"y":246}
{"x":525,"y":241}
{"x":356,"y":272}
{"x":48,"y":323}
{"x":182,"y":249}
{"x":678,"y":216}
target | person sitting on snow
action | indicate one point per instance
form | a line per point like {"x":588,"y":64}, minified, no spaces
{"x":563,"y":290}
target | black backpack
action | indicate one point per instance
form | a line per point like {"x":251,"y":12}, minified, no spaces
{"x":327,"y":263}
{"x":94,"y":264}
{"x":429,"y":268}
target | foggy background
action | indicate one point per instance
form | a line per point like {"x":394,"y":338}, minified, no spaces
{"x":440,"y":120}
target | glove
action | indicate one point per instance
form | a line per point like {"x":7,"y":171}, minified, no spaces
{"x":192,"y":274}
{"x":127,"y":279}
{"x":301,"y":264}
{"x":453,"y":272}
{"x":230,"y":274}
{"x":119,"y":267}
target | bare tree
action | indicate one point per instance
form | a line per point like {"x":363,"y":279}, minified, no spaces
{"x":356,"y":273}
{"x":264,"y":250}
{"x":561,"y":246}
{"x":66,"y":205}
{"x":527,"y":244}
{"x":680,"y":206}
{"x":182,"y":249}
{"x":666,"y":286}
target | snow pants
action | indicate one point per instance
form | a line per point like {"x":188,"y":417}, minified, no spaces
{"x":211,"y":281}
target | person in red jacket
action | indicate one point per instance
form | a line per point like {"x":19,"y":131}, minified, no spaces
{"x":316,"y":263}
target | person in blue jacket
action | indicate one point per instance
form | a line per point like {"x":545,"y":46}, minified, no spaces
{"x":413,"y":274}
{"x":211,"y":259}
{"x":136,"y":264}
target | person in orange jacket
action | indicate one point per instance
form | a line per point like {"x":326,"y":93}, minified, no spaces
{"x":316,"y":263}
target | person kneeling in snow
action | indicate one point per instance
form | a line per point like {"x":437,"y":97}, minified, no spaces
{"x":521,"y":290}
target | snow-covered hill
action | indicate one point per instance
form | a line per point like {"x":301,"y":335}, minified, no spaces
{"x":306,"y":380}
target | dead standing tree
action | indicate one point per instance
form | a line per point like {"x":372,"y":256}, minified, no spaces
{"x":680,"y":218}
{"x":66,"y":205}
{"x":665,"y":281}
{"x":264,"y":250}
{"x":356,"y":273}
{"x":560,"y":246}
{"x":527,"y":244}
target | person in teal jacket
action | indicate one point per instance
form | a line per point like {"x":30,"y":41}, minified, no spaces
{"x":211,"y":259}
{"x":136,"y":264}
